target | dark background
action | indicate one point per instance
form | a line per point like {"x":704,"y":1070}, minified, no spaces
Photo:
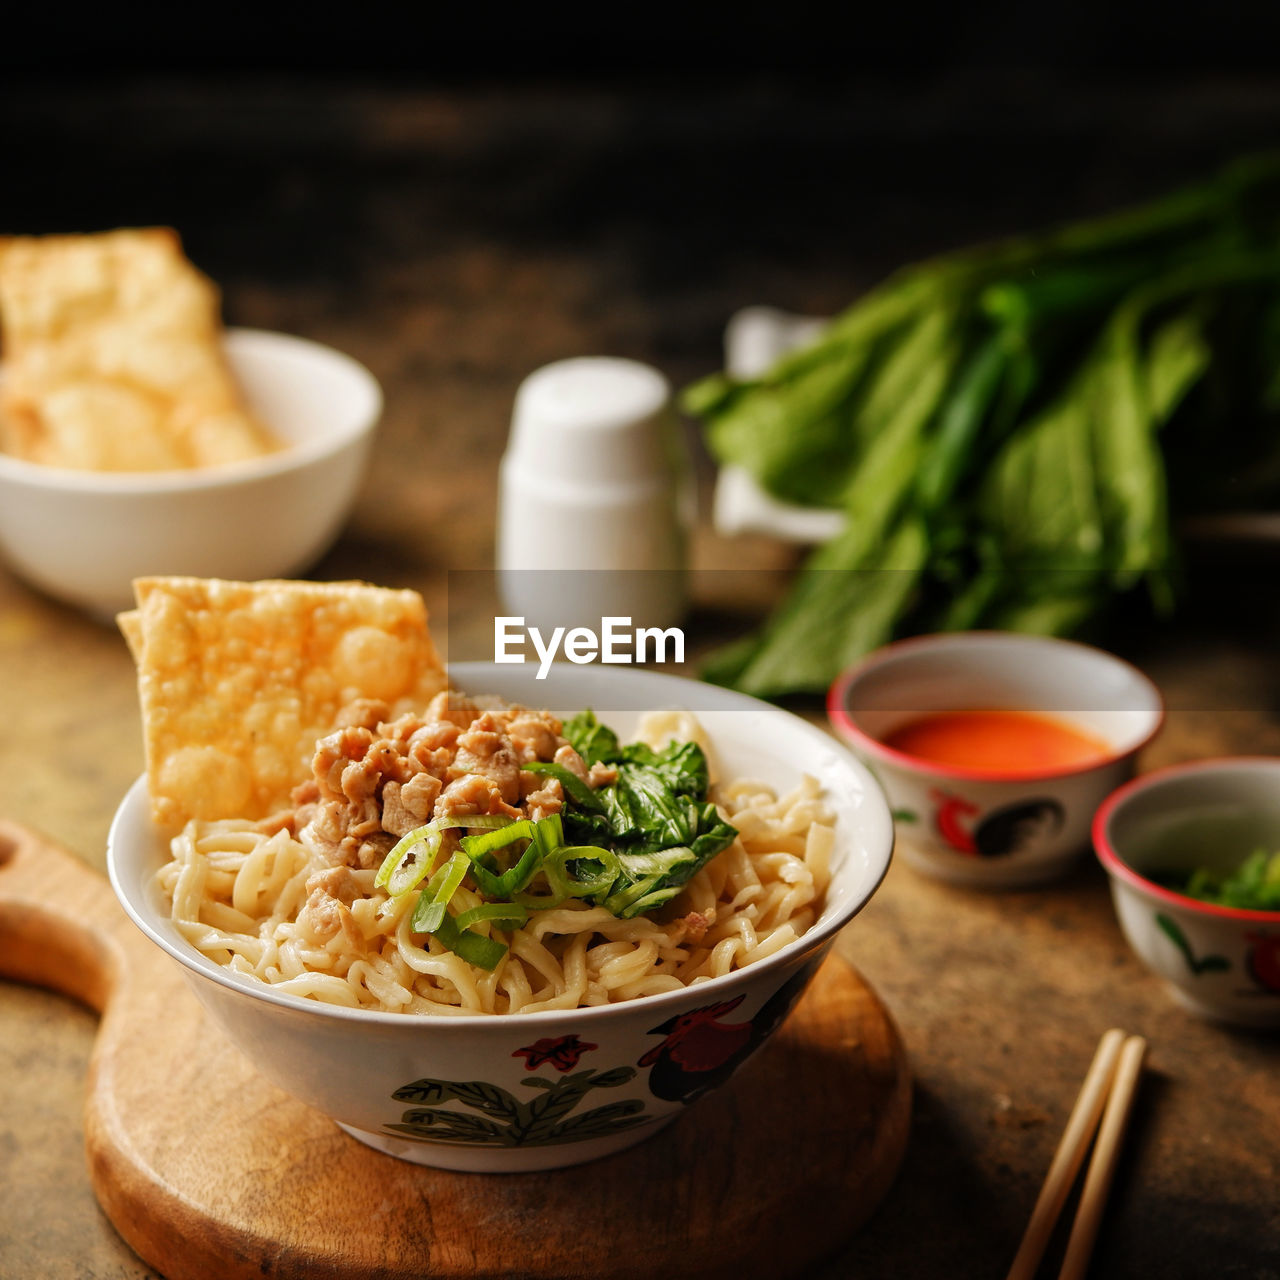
{"x":461,"y":198}
{"x":577,"y":40}
{"x":851,"y":135}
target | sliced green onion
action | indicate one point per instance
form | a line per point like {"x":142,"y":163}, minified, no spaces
{"x":412,"y":855}
{"x":541,"y":901}
{"x":409,"y":860}
{"x":574,"y":786}
{"x":430,"y":911}
{"x":498,"y":838}
{"x":545,"y":836}
{"x":577,"y":882}
{"x":503,"y":884}
{"x":431,"y":915}
{"x":502,"y":915}
{"x":510,"y":882}
{"x":549,"y":833}
{"x":474,"y":948}
{"x":417,"y":836}
{"x":475,"y":821}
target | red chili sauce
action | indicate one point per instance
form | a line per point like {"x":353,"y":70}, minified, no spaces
{"x":1006,"y":742}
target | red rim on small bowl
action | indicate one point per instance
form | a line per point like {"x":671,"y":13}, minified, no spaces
{"x":1115,"y":865}
{"x":838,"y":713}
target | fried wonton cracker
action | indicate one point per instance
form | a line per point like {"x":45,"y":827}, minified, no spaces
{"x":113,"y":357}
{"x":238,"y":680}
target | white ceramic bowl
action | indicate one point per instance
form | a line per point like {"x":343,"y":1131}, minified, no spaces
{"x":374,"y":1071}
{"x":976,"y":827}
{"x":83,"y":536}
{"x":1221,"y":962}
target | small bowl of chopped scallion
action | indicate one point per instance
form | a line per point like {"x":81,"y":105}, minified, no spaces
{"x":1193,"y":853}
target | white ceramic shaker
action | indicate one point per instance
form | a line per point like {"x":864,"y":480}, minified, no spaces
{"x":594,"y":497}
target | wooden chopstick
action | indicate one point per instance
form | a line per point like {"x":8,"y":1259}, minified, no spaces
{"x":1069,"y":1156}
{"x":1097,"y":1181}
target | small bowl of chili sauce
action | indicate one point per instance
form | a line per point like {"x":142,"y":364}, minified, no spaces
{"x":994,"y":748}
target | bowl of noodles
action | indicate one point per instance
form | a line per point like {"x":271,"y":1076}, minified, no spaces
{"x":521,"y":981}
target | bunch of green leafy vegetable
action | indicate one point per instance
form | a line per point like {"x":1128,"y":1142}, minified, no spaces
{"x":655,"y":817}
{"x":627,"y":846}
{"x":1254,"y":885}
{"x":1007,"y":429}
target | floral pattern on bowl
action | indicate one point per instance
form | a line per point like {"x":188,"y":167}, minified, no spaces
{"x":699,"y":1050}
{"x":497,"y":1118}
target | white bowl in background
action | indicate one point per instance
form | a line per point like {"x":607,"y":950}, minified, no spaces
{"x":979,"y":827}
{"x":1220,"y":962}
{"x":83,"y":536}
{"x":368,"y":1070}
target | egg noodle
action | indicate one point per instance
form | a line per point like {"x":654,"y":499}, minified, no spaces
{"x":238,"y":895}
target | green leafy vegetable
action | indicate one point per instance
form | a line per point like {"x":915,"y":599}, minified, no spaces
{"x":655,"y":817}
{"x":1009,"y":430}
{"x":1253,"y":886}
{"x":593,"y":741}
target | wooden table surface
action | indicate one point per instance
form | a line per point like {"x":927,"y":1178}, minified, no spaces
{"x":454,"y":240}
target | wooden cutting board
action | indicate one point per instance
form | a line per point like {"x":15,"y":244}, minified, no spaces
{"x":207,"y":1170}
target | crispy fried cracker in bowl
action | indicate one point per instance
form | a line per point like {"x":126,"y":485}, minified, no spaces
{"x":138,"y":437}
{"x":498,"y":925}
